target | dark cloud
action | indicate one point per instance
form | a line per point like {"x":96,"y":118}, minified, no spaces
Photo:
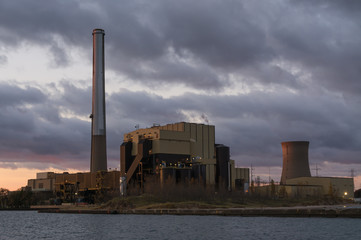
{"x":200,"y":43}
{"x":323,"y":44}
{"x":12,"y":95}
{"x":298,"y":60}
{"x":60,"y":58}
{"x":253,"y":124}
{"x":30,"y":121}
{"x":75,"y":100}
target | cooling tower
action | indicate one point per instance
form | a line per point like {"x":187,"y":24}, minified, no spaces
{"x":98,"y":160}
{"x":295,"y":160}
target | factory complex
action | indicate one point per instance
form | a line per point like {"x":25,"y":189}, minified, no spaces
{"x":182,"y":153}
{"x":185,"y":153}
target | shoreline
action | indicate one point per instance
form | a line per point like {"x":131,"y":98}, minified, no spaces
{"x":343,"y":211}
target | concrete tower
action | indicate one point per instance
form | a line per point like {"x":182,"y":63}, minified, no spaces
{"x":295,"y":160}
{"x":98,"y":142}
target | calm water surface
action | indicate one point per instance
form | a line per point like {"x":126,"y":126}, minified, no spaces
{"x":33,"y":225}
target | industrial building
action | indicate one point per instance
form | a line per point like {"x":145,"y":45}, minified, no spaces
{"x":45,"y":181}
{"x":65,"y":186}
{"x":86,"y":185}
{"x":329,"y":186}
{"x":182,"y":152}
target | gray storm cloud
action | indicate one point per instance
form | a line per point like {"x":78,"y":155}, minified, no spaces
{"x":300,"y":60}
{"x":197,"y":42}
{"x":253,"y":125}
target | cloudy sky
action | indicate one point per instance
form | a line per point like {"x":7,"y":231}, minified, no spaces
{"x":262,"y":72}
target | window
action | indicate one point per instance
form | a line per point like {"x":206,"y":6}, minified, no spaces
{"x":41,"y":185}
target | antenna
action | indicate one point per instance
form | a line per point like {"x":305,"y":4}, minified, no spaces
{"x":252,"y":175}
{"x":316,"y":169}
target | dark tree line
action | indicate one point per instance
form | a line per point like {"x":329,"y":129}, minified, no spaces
{"x":15,"y":199}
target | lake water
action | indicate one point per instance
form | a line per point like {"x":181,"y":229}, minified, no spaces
{"x":33,"y":225}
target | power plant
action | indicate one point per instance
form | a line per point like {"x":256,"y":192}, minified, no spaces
{"x":180,"y":152}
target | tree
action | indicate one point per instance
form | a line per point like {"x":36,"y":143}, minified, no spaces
{"x":19,"y":199}
{"x":4,"y":197}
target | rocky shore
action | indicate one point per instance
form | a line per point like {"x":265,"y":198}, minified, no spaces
{"x":344,"y":211}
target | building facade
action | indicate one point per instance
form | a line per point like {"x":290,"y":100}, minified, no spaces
{"x":179,"y":150}
{"x":330,"y":186}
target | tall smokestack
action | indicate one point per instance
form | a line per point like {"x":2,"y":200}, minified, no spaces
{"x":295,"y":160}
{"x":98,"y":143}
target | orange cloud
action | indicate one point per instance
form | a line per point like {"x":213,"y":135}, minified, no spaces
{"x":14,"y":179}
